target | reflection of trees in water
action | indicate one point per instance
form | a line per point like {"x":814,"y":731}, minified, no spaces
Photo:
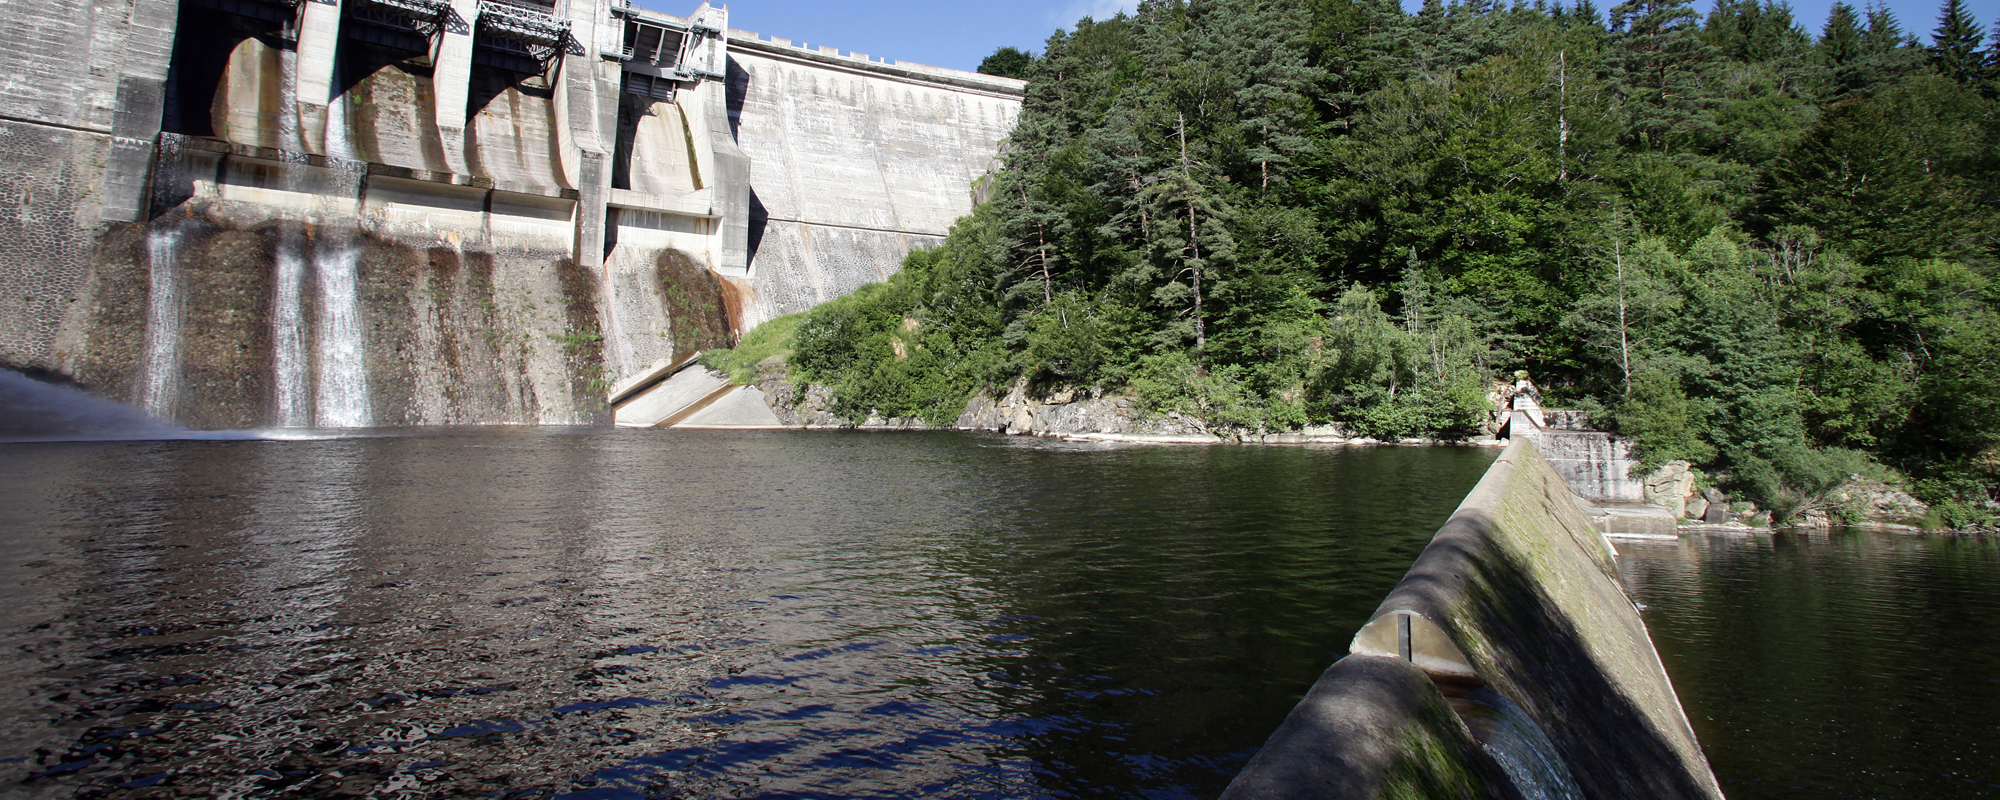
{"x":511,"y":610}
{"x":1849,"y":664}
{"x":1174,"y":609}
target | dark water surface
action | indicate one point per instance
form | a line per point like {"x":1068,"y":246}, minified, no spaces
{"x":533,"y":612}
{"x":1843,"y":665}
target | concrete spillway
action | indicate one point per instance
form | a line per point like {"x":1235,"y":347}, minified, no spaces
{"x":1507,"y":663}
{"x":253,"y":212}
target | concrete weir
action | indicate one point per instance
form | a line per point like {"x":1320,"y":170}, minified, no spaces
{"x":1507,"y":663}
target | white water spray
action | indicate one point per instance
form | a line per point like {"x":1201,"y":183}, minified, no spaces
{"x":337,"y":145}
{"x":160,"y":381}
{"x":290,"y":367}
{"x":343,"y":373}
{"x":288,"y":138}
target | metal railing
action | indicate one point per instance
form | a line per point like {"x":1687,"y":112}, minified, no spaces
{"x":422,"y":17}
{"x":538,"y":33}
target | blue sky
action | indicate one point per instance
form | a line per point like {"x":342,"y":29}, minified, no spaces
{"x":958,"y":34}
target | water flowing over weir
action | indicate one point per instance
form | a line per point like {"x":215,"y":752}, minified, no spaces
{"x":343,"y":378}
{"x":164,"y":317}
{"x":289,"y":366}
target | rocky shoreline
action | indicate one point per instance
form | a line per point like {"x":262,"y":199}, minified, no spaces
{"x":1066,"y":414}
{"x":1096,"y":416}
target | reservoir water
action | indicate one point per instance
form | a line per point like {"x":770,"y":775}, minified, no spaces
{"x":609,"y":613}
{"x":1843,"y":665}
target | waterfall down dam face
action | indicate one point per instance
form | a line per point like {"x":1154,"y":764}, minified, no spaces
{"x":337,"y":213}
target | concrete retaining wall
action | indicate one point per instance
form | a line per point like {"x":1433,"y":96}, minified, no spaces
{"x":1515,"y":615}
{"x":854,"y":163}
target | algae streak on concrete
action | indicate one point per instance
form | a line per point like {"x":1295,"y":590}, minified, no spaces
{"x":1513,"y":611}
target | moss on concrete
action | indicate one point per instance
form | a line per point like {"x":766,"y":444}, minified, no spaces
{"x":1528,"y":593}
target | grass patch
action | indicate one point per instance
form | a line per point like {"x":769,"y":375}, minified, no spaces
{"x":773,"y":338}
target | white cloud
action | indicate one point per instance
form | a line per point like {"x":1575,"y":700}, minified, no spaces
{"x":1074,"y":10}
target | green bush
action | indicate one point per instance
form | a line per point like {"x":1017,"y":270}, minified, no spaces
{"x":1792,"y":477}
{"x":1664,"y":423}
{"x":773,"y":338}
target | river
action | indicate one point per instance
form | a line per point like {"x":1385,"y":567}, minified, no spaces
{"x":1847,"y":664}
{"x":593,"y":613}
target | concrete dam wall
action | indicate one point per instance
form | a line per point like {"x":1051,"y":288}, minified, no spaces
{"x":238,"y":213}
{"x":1508,"y":663}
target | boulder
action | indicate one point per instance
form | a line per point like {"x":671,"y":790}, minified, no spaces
{"x":1670,"y":485}
{"x":1867,"y":500}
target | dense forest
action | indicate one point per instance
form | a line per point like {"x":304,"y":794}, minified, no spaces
{"x":1767,"y":252}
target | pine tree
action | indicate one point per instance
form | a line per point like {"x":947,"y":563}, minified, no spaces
{"x":1753,"y":32}
{"x":1587,"y":11}
{"x":1886,"y":54}
{"x":1359,"y":45}
{"x":1955,"y":49}
{"x":1884,"y":32}
{"x":1259,"y":45}
{"x":1993,"y":51}
{"x":1840,"y":39}
{"x":1657,"y":61}
{"x":1840,"y":51}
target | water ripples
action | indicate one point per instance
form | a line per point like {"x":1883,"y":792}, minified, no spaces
{"x":589,"y":613}
{"x":1850,"y":664}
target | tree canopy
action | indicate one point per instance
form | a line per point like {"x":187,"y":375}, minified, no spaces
{"x":1763,"y":249}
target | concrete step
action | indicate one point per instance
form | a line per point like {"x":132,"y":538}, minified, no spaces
{"x":1631,"y":519}
{"x":740,"y":408}
{"x":660,"y":370}
{"x":672,"y":399}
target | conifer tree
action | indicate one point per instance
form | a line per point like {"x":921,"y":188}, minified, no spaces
{"x":1884,"y":32}
{"x":1359,"y":45}
{"x":1839,"y":50}
{"x":1955,"y":49}
{"x":1887,"y":53}
{"x":1657,"y":59}
{"x":1840,"y":39}
{"x":1254,"y":42}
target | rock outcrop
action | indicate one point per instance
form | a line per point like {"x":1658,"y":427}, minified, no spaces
{"x":1673,"y":485}
{"x":1870,"y":501}
{"x":1021,"y":411}
{"x":1071,"y":412}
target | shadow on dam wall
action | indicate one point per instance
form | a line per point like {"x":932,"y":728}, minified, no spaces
{"x":1513,"y":618}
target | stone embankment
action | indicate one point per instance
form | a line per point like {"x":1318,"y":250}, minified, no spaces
{"x":1508,"y":663}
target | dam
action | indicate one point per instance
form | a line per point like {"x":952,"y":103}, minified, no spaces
{"x":300,"y":213}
